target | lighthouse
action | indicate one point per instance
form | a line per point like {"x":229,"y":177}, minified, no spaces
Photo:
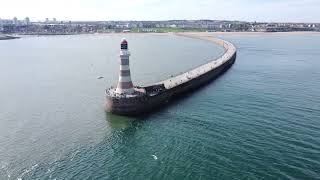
{"x":125,"y":85}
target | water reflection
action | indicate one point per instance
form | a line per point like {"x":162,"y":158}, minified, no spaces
{"x":118,"y":122}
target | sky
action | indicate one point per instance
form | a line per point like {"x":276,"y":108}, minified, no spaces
{"x":105,"y":10}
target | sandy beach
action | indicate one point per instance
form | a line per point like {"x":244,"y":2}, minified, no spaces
{"x":248,"y":33}
{"x":227,"y":33}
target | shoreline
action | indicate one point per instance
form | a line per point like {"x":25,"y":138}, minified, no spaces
{"x":255,"y":33}
{"x":199,"y":33}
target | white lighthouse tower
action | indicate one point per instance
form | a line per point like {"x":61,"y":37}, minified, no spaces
{"x":125,"y":85}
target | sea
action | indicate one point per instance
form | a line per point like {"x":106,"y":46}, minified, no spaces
{"x":259,"y":120}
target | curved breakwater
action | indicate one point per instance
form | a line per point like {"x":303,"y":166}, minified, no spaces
{"x":230,"y":51}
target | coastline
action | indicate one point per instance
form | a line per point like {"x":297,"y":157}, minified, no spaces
{"x":173,"y":33}
{"x":220,"y":33}
{"x":201,"y":34}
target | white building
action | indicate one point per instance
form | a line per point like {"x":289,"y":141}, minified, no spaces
{"x":27,"y":20}
{"x":15,"y":20}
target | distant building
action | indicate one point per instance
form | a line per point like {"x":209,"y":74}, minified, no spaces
{"x":54,"y":20}
{"x":1,"y":23}
{"x":47,"y":20}
{"x":15,"y":20}
{"x":27,"y":21}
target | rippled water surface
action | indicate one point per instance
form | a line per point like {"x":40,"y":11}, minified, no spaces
{"x":260,"y":120}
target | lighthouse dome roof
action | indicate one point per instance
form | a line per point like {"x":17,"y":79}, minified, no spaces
{"x":124,"y":41}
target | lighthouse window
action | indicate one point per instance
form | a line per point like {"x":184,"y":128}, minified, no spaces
{"x":124,"y":46}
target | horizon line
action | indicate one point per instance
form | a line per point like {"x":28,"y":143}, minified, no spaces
{"x":204,"y":19}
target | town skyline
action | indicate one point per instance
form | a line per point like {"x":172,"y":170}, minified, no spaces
{"x":54,"y":19}
{"x":297,"y":11}
{"x":57,"y":27}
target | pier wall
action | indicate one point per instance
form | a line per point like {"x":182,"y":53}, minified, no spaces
{"x":230,"y":52}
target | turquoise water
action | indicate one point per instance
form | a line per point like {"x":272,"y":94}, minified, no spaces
{"x":260,"y":120}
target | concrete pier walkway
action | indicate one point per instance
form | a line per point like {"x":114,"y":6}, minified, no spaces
{"x":230,"y":50}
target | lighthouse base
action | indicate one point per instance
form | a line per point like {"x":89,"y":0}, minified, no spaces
{"x":141,"y":101}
